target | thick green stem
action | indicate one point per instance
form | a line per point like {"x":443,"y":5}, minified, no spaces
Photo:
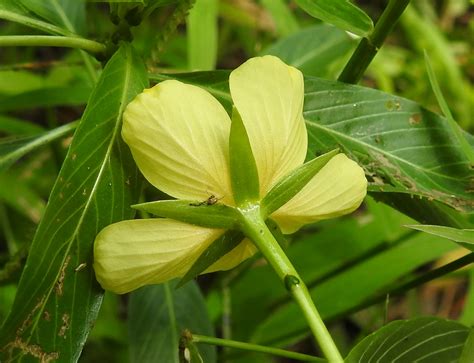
{"x":51,"y":41}
{"x":368,"y":47}
{"x":255,"y":228}
{"x":254,"y":348}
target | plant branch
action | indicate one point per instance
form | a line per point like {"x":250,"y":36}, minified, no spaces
{"x":255,"y":228}
{"x":369,"y":46}
{"x":254,"y":348}
{"x":88,"y":45}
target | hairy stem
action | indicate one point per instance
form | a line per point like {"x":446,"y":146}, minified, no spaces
{"x":255,"y":228}
{"x":369,"y":46}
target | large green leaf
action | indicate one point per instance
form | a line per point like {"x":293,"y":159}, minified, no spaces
{"x":158,"y":315}
{"x":404,"y":148}
{"x":58,"y":297}
{"x":401,"y":145}
{"x":424,"y":340}
{"x":319,"y":50}
{"x":340,"y":13}
{"x":67,"y":14}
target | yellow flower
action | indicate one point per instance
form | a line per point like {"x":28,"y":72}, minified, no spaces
{"x":179,"y":137}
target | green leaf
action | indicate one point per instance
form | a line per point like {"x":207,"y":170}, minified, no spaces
{"x":12,"y":10}
{"x":58,"y":297}
{"x":67,"y":14}
{"x":243,"y":169}
{"x":291,"y":184}
{"x":424,"y":340}
{"x":398,"y":143}
{"x":467,"y":355}
{"x":158,"y":315}
{"x":200,"y":213}
{"x":220,"y":247}
{"x":340,"y":13}
{"x":202,"y":35}
{"x":11,"y":149}
{"x":464,"y":236}
{"x":423,"y":209}
{"x":285,"y":21}
{"x":319,"y":50}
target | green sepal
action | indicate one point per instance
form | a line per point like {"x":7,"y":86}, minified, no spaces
{"x":243,"y":169}
{"x":291,"y":184}
{"x":201,"y":214}
{"x":220,"y":247}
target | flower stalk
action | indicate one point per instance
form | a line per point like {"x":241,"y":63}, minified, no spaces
{"x":255,"y":228}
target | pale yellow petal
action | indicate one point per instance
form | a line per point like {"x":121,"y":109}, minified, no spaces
{"x":131,"y":254}
{"x":338,"y":188}
{"x":179,"y":138}
{"x":269,"y":96}
{"x":239,"y":254}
